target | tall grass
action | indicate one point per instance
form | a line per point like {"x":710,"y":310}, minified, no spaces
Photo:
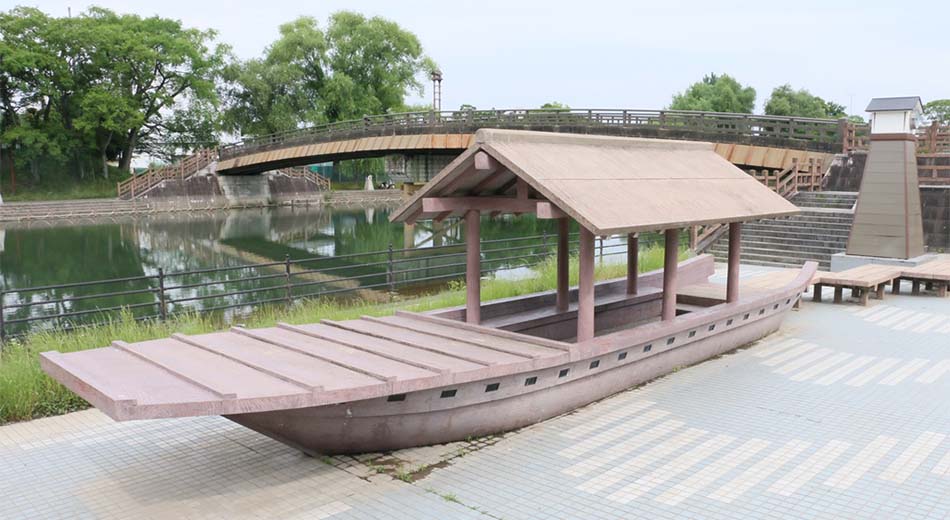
{"x":59,"y":185}
{"x":26,"y":392}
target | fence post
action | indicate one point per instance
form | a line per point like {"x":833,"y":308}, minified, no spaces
{"x":544,"y":240}
{"x":3,"y":334}
{"x":932,"y":138}
{"x":390,"y":271}
{"x":162,"y":304}
{"x":290,"y":290}
{"x":844,"y":127}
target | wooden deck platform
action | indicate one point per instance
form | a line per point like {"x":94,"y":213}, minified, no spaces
{"x":871,"y":279}
{"x":861,"y":280}
{"x":935,"y":274}
{"x":290,"y":366}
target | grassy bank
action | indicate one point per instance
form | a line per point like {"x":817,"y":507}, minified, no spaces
{"x":60,"y":186}
{"x":26,"y":392}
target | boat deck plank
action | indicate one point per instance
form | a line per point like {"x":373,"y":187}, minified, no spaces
{"x":465,"y":351}
{"x":125,"y":376}
{"x":351,"y":358}
{"x":476,"y":338}
{"x":211,"y":371}
{"x":308,"y":370}
{"x":384,"y":347}
{"x":290,"y":366}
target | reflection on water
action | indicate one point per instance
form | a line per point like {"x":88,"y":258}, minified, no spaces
{"x":327,"y":248}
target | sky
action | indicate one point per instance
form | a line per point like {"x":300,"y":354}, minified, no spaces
{"x":619,"y":54}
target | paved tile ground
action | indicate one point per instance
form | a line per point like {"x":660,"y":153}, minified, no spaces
{"x":842,"y":414}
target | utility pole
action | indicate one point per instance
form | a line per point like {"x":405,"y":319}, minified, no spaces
{"x":436,"y":78}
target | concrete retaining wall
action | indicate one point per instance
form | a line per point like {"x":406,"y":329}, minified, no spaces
{"x":935,"y":213}
{"x":70,"y":209}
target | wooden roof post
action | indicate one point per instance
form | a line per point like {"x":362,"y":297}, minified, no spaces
{"x":670,"y":261}
{"x":735,"y":245}
{"x":408,"y":235}
{"x":585,"y":289}
{"x":473,"y":266}
{"x":563,"y":264}
{"x":633,"y":257}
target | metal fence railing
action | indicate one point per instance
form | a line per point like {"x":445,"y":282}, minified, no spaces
{"x":238,"y":290}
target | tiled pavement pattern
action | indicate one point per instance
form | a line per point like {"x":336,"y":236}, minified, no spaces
{"x":840,"y":415}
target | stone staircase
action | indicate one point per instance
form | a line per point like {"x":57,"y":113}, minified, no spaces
{"x":139,"y":185}
{"x":840,"y":200}
{"x":815,"y":234}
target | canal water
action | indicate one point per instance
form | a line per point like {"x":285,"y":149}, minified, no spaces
{"x":333,"y":251}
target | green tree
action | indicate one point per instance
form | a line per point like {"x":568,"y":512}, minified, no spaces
{"x":190,"y":126}
{"x":555,"y":105}
{"x":381,"y":59}
{"x":415,"y":107}
{"x":105,"y":115}
{"x":308,"y":76}
{"x":154,"y":63}
{"x":938,"y":110}
{"x":716,"y":93}
{"x":786,"y":101}
{"x":37,"y":80}
{"x":76,"y":91}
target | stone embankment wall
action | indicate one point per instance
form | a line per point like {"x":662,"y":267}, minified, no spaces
{"x":71,"y":209}
{"x":846,"y":172}
{"x":935,"y":210}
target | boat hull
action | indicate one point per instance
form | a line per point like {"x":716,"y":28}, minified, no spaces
{"x":375,"y":425}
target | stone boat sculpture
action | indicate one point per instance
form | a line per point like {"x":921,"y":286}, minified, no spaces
{"x":411,"y":379}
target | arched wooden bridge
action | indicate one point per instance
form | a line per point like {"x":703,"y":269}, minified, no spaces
{"x":452,"y":131}
{"x":751,"y":141}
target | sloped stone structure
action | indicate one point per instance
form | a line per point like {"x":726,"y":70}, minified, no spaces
{"x":887,"y":219}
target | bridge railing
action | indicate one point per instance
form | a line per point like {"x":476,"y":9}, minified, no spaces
{"x":933,"y":138}
{"x":138,"y":185}
{"x":302,"y":172}
{"x":825,"y":135}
